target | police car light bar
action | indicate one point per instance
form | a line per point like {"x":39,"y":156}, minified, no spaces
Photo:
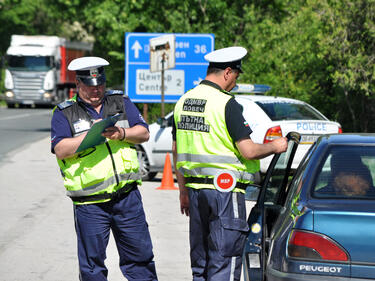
{"x":251,"y":88}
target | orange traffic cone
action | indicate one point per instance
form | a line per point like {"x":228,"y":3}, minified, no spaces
{"x":167,"y":181}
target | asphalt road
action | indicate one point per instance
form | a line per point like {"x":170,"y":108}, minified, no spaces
{"x":37,"y":236}
{"x":22,"y":126}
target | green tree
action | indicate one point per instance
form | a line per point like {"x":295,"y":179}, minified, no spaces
{"x":349,"y":46}
{"x":319,"y":51}
{"x":26,"y":17}
{"x":283,"y":51}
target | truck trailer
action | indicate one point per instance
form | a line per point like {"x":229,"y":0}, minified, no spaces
{"x":36,"y":69}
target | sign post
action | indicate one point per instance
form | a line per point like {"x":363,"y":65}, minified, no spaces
{"x":162,"y":49}
{"x":162,"y":84}
{"x":143,"y":85}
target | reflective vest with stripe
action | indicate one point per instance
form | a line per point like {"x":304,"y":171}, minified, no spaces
{"x":204,"y":146}
{"x":104,"y":168}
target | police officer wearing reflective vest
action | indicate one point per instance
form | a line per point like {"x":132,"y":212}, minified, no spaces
{"x":102,"y":180}
{"x":215,"y":159}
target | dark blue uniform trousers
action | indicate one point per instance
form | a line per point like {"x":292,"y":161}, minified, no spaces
{"x":126,"y":218}
{"x":218,"y":230}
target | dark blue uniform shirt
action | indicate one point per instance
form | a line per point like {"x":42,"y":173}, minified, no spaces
{"x":60,"y":128}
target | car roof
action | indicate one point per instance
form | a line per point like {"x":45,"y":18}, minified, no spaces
{"x":262,"y":98}
{"x":349,"y":138}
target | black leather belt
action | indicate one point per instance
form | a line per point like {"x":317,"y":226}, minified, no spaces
{"x":207,"y":180}
{"x":114,"y":195}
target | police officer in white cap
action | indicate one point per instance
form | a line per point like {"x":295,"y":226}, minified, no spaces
{"x":103,"y":180}
{"x":215,"y":159}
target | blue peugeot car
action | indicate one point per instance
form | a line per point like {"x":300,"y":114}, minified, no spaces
{"x":316,"y":222}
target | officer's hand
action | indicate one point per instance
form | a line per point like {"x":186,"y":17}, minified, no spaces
{"x":184,"y":202}
{"x":114,"y":133}
{"x":280,"y":145}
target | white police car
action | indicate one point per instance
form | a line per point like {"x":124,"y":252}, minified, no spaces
{"x":272,"y":117}
{"x":269,"y":117}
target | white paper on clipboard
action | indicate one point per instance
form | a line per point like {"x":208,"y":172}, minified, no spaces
{"x":94,"y":135}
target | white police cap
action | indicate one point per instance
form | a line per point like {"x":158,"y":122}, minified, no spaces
{"x":87,"y":63}
{"x":89,"y":70}
{"x":226,"y":57}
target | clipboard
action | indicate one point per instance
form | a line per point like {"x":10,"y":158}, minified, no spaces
{"x":94,"y":135}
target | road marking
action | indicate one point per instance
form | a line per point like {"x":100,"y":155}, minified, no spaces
{"x":23,"y":116}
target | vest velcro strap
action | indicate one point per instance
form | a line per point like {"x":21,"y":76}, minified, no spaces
{"x":207,"y":180}
{"x":114,"y":195}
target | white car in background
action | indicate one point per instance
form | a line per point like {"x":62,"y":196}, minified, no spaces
{"x":273,"y":117}
{"x":269,"y":117}
{"x":152,"y":154}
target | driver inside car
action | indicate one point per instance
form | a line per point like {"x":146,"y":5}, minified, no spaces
{"x":348,"y":178}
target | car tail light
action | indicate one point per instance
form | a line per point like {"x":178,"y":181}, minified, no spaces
{"x":340,"y":130}
{"x":272,"y":133}
{"x":315,"y":246}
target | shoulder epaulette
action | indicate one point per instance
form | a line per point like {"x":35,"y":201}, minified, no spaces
{"x":114,"y":92}
{"x":65,"y":104}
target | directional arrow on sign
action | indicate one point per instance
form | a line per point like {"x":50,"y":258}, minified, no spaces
{"x":136,"y":47}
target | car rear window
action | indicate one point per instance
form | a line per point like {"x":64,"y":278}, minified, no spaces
{"x":347,"y":172}
{"x":285,"y":110}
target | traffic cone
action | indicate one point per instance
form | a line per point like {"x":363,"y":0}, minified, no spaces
{"x":167,"y":182}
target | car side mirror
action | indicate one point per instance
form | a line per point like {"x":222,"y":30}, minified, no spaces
{"x":252,"y":192}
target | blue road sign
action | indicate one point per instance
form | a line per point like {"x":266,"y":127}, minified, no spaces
{"x":144,"y":86}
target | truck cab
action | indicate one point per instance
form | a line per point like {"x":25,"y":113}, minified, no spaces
{"x":36,"y":69}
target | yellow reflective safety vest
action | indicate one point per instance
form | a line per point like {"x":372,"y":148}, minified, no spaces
{"x":204,"y":146}
{"x":105,"y":168}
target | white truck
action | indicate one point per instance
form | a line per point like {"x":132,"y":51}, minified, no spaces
{"x":36,"y":69}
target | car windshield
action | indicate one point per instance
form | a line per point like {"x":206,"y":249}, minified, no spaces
{"x":347,"y":172}
{"x":286,"y":110}
{"x":30,"y":63}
